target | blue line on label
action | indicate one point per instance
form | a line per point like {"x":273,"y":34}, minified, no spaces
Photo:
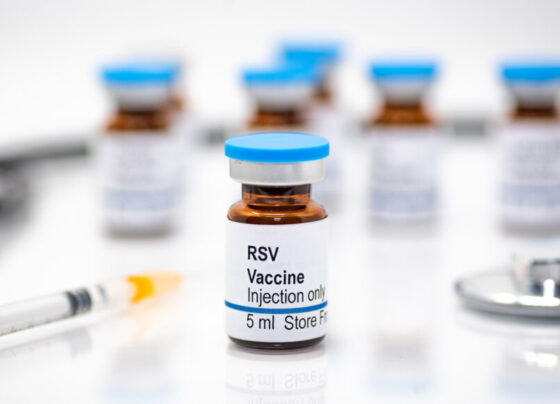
{"x":260,"y":310}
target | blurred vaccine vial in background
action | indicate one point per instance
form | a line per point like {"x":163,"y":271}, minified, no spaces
{"x":405,"y":143}
{"x":281,"y":95}
{"x":325,"y":117}
{"x":530,"y":147}
{"x":185,"y":123}
{"x":322,"y":56}
{"x":140,"y":150}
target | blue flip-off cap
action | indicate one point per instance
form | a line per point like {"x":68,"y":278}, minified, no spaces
{"x":277,"y":147}
{"x":135,"y":72}
{"x":382,"y":70}
{"x":531,"y":71}
{"x":280,"y":75}
{"x":311,"y":52}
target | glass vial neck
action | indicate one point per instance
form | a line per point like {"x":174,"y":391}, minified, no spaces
{"x":276,"y":196}
{"x":125,"y":119}
{"x":268,"y":117}
{"x":399,"y":113}
{"x":323,"y":93}
{"x":545,"y":110}
{"x":533,"y":101}
{"x":411,"y":104}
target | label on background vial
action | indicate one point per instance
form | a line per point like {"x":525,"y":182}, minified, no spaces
{"x":140,"y":179}
{"x":403,"y":181}
{"x":276,"y":281}
{"x":531,"y":173}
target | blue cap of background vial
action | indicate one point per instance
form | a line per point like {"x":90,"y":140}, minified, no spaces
{"x":311,"y":52}
{"x":280,"y":75}
{"x":383,"y":70}
{"x":277,"y":147}
{"x":135,"y":72}
{"x":530,"y":71}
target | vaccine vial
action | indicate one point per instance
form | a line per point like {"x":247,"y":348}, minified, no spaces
{"x":530,"y":147}
{"x":276,"y":272}
{"x":281,"y":95}
{"x":321,"y":55}
{"x":405,"y":144}
{"x":323,"y":115}
{"x":139,"y":151}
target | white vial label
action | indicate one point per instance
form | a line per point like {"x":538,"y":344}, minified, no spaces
{"x":531,"y":173}
{"x":403,"y":183}
{"x":140,"y":179}
{"x":276,"y":281}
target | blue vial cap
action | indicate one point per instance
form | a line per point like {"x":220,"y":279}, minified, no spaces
{"x":530,"y":71}
{"x":382,"y":70}
{"x":280,"y":75}
{"x":277,"y":147}
{"x":311,"y":52}
{"x":137,"y":72}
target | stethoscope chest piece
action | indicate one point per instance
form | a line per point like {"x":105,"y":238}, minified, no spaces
{"x":530,"y":288}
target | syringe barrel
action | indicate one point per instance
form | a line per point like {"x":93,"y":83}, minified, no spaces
{"x":30,"y":313}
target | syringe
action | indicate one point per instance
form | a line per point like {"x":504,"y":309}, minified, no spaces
{"x":115,"y":294}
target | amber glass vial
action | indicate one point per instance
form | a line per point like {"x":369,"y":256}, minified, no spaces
{"x":280,"y":95}
{"x":138,"y":151}
{"x":404,"y":144}
{"x":276,"y":265}
{"x":529,"y":146}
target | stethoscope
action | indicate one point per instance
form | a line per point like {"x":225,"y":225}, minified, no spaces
{"x":530,"y":287}
{"x":16,"y":162}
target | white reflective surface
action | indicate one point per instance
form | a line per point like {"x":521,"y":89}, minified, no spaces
{"x":396,"y":331}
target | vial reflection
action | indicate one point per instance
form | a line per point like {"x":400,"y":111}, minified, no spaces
{"x":255,"y":378}
{"x":404,"y":308}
